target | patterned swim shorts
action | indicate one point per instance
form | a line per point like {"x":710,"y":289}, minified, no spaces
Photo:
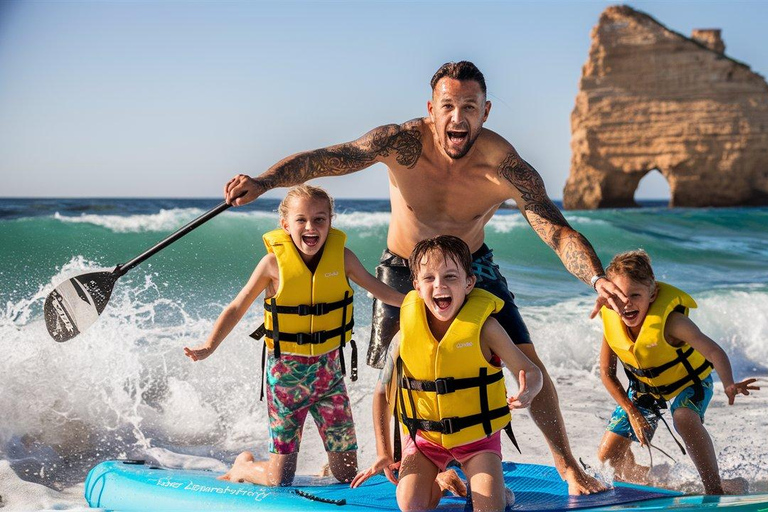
{"x":297,"y":385}
{"x":695,"y":398}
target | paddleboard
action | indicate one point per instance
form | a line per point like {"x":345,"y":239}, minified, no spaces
{"x":136,"y":486}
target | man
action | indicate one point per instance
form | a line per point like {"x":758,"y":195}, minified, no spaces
{"x":448,"y":175}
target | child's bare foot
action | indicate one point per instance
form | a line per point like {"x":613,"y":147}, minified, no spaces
{"x":737,"y":485}
{"x":239,"y":469}
{"x":510,"y":496}
{"x":325,"y":470}
{"x":449,"y":480}
{"x":580,"y":482}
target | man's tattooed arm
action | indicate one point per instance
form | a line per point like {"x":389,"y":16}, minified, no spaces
{"x":402,"y":142}
{"x":545,"y":218}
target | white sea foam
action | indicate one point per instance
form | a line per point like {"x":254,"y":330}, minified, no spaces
{"x":506,"y":223}
{"x":164,"y":220}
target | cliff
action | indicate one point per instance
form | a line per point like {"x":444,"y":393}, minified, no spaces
{"x":652,"y":99}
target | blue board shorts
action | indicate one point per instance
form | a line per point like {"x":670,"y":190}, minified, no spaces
{"x":393,"y":270}
{"x":691,"y":398}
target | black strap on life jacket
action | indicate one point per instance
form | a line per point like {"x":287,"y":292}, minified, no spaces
{"x":692,"y":374}
{"x":342,"y":341}
{"x":263,"y":369}
{"x":449,"y":385}
{"x":302,"y":338}
{"x":446,"y":385}
{"x":648,"y":397}
{"x":321,"y":308}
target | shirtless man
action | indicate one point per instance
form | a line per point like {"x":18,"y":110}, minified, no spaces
{"x":447,"y":176}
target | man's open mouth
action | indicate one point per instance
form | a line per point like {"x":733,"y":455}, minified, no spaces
{"x":310,"y":240}
{"x":443,"y":302}
{"x":457,"y":137}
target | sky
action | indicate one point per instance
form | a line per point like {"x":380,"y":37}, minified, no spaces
{"x":173,"y":98}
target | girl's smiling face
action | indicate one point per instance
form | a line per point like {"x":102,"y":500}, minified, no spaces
{"x":308,"y":221}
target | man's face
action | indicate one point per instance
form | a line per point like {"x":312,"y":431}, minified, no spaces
{"x":458,"y":110}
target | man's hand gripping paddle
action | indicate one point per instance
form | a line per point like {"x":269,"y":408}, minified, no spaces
{"x":77,"y":303}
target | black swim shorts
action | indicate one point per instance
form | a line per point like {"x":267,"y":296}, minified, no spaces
{"x":393,"y":270}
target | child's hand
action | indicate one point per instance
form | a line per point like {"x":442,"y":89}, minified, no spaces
{"x":742,"y":387}
{"x":382,"y":463}
{"x":198,"y":353}
{"x":640,"y":425}
{"x":523,"y":398}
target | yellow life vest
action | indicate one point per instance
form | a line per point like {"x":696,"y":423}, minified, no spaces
{"x":457,"y":395}
{"x":659,"y":368}
{"x":311,"y":314}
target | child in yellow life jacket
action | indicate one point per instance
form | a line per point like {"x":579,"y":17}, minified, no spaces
{"x":308,"y":320}
{"x":449,"y":389}
{"x":665,"y":357}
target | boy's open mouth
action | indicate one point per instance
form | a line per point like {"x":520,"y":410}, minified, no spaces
{"x":443,"y":302}
{"x":630,"y":315}
{"x":310,"y":240}
{"x":457,"y":137}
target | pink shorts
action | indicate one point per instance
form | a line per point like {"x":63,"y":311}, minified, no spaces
{"x":441,"y":457}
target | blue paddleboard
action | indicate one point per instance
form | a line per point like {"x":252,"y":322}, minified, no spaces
{"x":134,"y":486}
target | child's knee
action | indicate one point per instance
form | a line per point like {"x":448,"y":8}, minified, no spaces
{"x":686,"y":420}
{"x":343,"y":465}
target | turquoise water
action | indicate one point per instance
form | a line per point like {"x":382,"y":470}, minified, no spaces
{"x":124,"y":387}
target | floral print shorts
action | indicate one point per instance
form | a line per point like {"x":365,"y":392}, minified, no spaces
{"x":297,"y":385}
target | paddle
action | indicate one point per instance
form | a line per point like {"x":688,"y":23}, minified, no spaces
{"x":77,"y":303}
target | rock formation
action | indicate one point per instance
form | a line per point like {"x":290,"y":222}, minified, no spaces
{"x":650,"y":98}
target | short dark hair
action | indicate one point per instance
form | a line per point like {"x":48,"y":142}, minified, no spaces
{"x":448,"y":246}
{"x":462,"y":70}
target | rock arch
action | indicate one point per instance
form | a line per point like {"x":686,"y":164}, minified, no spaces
{"x":650,"y":98}
{"x":656,"y":180}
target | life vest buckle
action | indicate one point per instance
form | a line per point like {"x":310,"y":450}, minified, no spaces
{"x":312,"y":309}
{"x":444,"y":385}
{"x":449,"y":427}
{"x":310,"y":338}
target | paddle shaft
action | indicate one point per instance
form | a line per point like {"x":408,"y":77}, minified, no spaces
{"x":125,"y":267}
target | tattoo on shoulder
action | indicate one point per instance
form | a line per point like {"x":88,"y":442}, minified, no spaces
{"x":404,"y":140}
{"x":547,"y":220}
{"x":404,"y":143}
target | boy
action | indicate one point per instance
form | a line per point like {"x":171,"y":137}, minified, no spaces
{"x":449,"y":391}
{"x":666,"y":357}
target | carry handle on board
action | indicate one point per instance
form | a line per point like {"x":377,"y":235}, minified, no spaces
{"x":77,"y":303}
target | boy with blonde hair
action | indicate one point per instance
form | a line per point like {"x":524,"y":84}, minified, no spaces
{"x":666,"y":358}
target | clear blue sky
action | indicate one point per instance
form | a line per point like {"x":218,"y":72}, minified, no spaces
{"x":146,"y":99}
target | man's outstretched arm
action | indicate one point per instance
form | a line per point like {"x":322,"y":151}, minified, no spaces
{"x":548,"y":222}
{"x":401,"y":143}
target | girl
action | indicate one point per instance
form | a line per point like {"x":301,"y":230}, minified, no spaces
{"x":308,"y":320}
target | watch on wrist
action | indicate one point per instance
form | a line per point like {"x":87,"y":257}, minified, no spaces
{"x":595,"y":279}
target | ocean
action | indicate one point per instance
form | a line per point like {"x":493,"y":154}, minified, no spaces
{"x":124,"y":388}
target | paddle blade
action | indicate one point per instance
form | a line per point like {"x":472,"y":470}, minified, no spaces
{"x":77,"y":303}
